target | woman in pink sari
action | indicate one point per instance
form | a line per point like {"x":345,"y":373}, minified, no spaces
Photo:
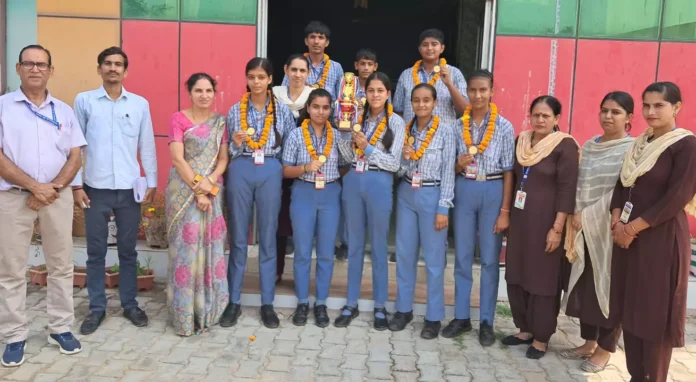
{"x":197,"y":292}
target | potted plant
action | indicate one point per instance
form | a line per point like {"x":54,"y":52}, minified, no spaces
{"x":154,"y":223}
{"x":39,"y":275}
{"x":112,"y":276}
{"x":146,"y":276}
{"x":80,"y":276}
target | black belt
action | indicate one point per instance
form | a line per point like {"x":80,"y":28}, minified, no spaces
{"x":428,"y":183}
{"x":371,"y":167}
{"x":483,"y":178}
{"x":313,"y":182}
{"x":248,"y":154}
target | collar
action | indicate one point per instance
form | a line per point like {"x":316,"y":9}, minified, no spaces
{"x":19,"y":96}
{"x":102,"y":93}
{"x":484,"y":122}
{"x":414,"y":126}
{"x":321,"y":63}
{"x":422,"y":69}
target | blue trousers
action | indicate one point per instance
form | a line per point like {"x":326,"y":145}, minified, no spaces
{"x":314,"y":213}
{"x":127,"y":213}
{"x":415,"y":227}
{"x":247,"y":183}
{"x":476,"y":208}
{"x":367,"y":205}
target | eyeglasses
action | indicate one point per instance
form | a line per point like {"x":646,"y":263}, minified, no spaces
{"x":29,"y":65}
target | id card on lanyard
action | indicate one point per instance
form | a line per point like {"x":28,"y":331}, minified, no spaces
{"x":53,"y":121}
{"x":628,"y":208}
{"x":319,"y":181}
{"x":521,"y":196}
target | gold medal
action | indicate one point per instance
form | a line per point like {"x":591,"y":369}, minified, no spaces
{"x":250,"y":131}
{"x":322,"y":158}
{"x":363,"y":100}
{"x":357,"y":127}
{"x":436,"y":69}
{"x":411,"y":140}
{"x":473,"y":150}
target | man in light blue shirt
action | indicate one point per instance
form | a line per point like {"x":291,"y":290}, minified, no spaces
{"x":118,"y":127}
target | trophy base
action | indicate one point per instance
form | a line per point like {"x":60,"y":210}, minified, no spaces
{"x":344,"y":126}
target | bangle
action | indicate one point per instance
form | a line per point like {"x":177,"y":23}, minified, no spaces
{"x":633,"y":228}
{"x":555,"y":231}
{"x":504,"y":210}
{"x":76,"y":188}
{"x":626,"y":233}
{"x":613,"y":224}
{"x":561,"y":224}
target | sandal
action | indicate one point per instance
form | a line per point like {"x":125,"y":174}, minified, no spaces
{"x":591,"y":367}
{"x":573,"y":354}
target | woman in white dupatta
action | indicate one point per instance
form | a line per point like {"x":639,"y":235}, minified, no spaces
{"x":590,"y":246}
{"x":294,"y":96}
{"x":650,"y":264}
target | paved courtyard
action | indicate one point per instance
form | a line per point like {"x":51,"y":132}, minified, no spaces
{"x":120,"y":352}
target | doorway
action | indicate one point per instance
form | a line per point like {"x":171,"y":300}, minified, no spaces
{"x":389,"y":27}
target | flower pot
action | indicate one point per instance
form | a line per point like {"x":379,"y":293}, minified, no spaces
{"x":147,"y":280}
{"x":112,"y":278}
{"x":38,"y":275}
{"x":80,"y":277}
{"x":156,"y":233}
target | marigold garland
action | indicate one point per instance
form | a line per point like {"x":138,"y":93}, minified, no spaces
{"x":428,"y":137}
{"x":243,"y":107}
{"x":308,"y":140}
{"x":416,"y":68}
{"x":324,"y":74}
{"x":466,"y":133}
{"x":378,"y":131}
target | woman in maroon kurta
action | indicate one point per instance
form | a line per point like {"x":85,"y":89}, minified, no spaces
{"x":650,"y":267}
{"x":546,"y":173}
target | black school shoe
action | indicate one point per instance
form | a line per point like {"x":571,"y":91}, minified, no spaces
{"x":381,"y":323}
{"x":92,"y":322}
{"x":534,"y":353}
{"x":456,"y":327}
{"x":486,"y":335}
{"x":515,"y":341}
{"x":400,"y":320}
{"x":342,"y":320}
{"x":230,"y":315}
{"x":137,"y":316}
{"x":321,"y":317}
{"x":269,"y":317}
{"x":299,"y":318}
{"x":430,"y":330}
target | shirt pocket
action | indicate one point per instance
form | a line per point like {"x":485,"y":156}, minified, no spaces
{"x":128,"y":123}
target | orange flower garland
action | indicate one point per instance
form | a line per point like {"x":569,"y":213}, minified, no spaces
{"x":243,"y":108}
{"x":416,"y":68}
{"x":378,"y":131}
{"x":466,"y":133}
{"x":428,"y":137}
{"x":324,"y":74}
{"x":308,"y":140}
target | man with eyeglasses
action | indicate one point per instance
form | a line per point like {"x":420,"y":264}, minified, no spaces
{"x":40,"y":144}
{"x":118,"y":127}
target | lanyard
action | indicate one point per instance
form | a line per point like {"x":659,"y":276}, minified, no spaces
{"x":322,"y":141}
{"x":525,"y":175}
{"x":53,"y":121}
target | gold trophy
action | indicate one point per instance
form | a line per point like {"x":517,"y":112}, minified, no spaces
{"x":347,"y":103}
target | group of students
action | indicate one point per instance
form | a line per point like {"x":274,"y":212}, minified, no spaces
{"x":572,"y":216}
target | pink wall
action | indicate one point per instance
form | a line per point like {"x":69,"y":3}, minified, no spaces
{"x":522,"y":70}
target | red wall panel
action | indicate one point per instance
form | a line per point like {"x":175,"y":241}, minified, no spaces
{"x":153,"y":71}
{"x":522,"y":71}
{"x":604,"y":66}
{"x":676,"y":65}
{"x":221,"y":51}
{"x":164,"y":162}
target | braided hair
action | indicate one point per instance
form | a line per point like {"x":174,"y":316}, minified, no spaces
{"x":267,"y":66}
{"x":388,"y":137}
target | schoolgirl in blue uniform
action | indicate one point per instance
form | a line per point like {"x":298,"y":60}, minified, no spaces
{"x":424,"y":199}
{"x":310,"y":156}
{"x":257,"y":125}
{"x":374,"y":149}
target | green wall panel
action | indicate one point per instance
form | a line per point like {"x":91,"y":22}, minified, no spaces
{"x":620,"y":19}
{"x":151,"y":9}
{"x":537,"y":17}
{"x":222,"y":11}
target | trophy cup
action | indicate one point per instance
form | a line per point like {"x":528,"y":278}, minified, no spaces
{"x":347,"y":103}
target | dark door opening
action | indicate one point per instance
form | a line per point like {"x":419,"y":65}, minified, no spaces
{"x":389,"y":27}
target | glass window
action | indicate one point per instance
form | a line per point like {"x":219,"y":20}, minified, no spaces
{"x":620,"y":19}
{"x":679,"y":22}
{"x":151,"y":9}
{"x":223,"y":11}
{"x":537,"y":17}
